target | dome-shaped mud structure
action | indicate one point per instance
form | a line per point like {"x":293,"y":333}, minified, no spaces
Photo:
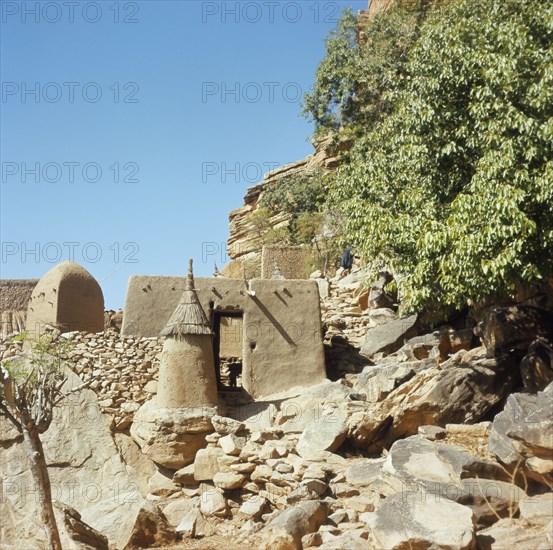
{"x":67,"y":297}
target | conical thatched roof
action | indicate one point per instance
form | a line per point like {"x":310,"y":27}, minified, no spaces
{"x":188,"y":317}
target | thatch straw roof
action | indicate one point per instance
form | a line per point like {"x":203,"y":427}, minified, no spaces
{"x":188,"y":317}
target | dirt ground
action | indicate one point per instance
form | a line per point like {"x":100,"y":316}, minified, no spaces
{"x":214,"y":542}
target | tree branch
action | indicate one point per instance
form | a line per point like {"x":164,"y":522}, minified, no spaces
{"x":11,"y":418}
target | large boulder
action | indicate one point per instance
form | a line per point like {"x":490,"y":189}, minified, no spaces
{"x":421,"y":521}
{"x":516,"y":533}
{"x":136,"y":524}
{"x":514,"y":328}
{"x":451,"y":472}
{"x":522,"y":435}
{"x":296,"y":522}
{"x":537,"y":366}
{"x":317,"y":404}
{"x":389,"y":337}
{"x":435,"y":468}
{"x":171,"y":437}
{"x":325,"y":434}
{"x":75,"y":533}
{"x":451,"y":393}
{"x":86,"y":472}
{"x":379,"y":381}
{"x":378,"y":297}
{"x":457,"y":391}
{"x":526,"y":331}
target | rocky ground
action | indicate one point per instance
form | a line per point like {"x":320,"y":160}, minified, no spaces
{"x":422,"y":439}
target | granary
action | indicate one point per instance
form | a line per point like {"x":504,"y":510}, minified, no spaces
{"x":271,"y":328}
{"x":186,"y":373}
{"x":67,"y":297}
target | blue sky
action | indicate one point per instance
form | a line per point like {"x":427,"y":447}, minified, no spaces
{"x":129,"y":130}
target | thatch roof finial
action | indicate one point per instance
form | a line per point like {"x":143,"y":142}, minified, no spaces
{"x":190,"y":277}
{"x":188,"y":317}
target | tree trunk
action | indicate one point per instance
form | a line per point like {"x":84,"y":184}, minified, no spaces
{"x":42,"y":481}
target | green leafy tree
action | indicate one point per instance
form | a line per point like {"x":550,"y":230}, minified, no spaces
{"x":263,"y":225}
{"x":454,"y":188}
{"x":301,"y":196}
{"x":355,"y":81}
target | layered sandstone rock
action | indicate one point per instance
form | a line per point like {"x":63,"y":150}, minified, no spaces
{"x":244,"y":244}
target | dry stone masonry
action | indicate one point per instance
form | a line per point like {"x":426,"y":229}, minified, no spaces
{"x":123,"y":370}
{"x":14,"y":300}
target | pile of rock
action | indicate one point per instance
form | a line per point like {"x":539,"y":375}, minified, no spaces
{"x":345,"y":307}
{"x":271,"y":488}
{"x":123,"y":371}
{"x":362,"y":326}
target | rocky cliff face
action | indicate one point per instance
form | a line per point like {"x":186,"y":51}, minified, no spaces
{"x":244,"y":244}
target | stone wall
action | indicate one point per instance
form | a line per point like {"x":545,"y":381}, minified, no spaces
{"x":14,"y":299}
{"x":293,"y":261}
{"x":15,"y":294}
{"x":124,"y":369}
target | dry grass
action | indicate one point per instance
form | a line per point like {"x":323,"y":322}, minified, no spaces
{"x":476,"y":445}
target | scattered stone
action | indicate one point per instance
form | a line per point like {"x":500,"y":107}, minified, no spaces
{"x":178,"y":508}
{"x":361,"y":503}
{"x":327,"y":434}
{"x":229,"y":481}
{"x":315,"y":486}
{"x":300,"y":520}
{"x":225,"y":426}
{"x":275,"y":537}
{"x":161,"y":485}
{"x":206,"y":463}
{"x":262,"y":473}
{"x":365,"y":472}
{"x":311,"y":539}
{"x":213,"y":503}
{"x":432,"y":433}
{"x":253,"y":507}
{"x":185,"y":476}
{"x":232,"y":444}
{"x":194,"y":524}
